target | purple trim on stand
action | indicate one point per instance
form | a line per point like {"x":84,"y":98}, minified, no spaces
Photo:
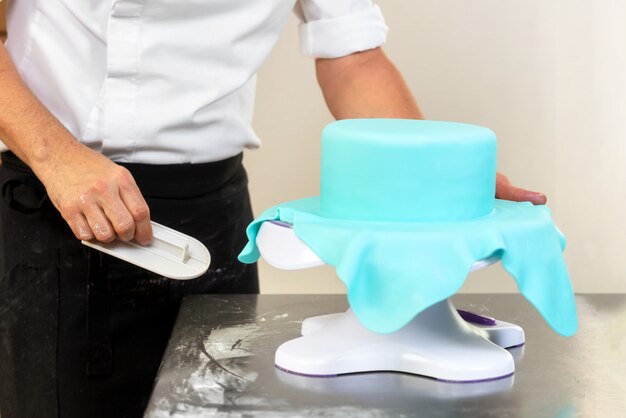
{"x":281,"y":223}
{"x":515,"y":346}
{"x":476,"y":381}
{"x":304,"y":374}
{"x":395,"y":371}
{"x":474,"y":318}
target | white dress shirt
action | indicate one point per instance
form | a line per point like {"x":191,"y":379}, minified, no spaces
{"x":169,"y":81}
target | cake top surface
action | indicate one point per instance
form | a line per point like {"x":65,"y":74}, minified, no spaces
{"x":405,"y":131}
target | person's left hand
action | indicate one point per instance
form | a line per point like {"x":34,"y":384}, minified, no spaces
{"x":506,"y":191}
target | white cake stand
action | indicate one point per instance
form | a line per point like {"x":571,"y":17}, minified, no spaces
{"x":437,"y":343}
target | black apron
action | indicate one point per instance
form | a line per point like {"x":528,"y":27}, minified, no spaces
{"x":82,"y":333}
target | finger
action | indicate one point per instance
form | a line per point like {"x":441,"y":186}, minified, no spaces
{"x":505,"y":190}
{"x":80,"y":227}
{"x":99,"y":224}
{"x":140,"y":212}
{"x":75,"y":220}
{"x":119,"y":217}
{"x":535,"y":198}
{"x":517,"y":194}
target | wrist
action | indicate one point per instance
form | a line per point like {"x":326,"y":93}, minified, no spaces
{"x":52,"y":153}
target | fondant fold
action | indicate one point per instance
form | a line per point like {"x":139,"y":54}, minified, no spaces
{"x":393,"y":270}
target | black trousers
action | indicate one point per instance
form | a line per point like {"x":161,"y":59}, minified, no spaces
{"x":82,"y":334}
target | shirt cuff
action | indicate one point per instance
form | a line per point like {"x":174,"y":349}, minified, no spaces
{"x":344,"y":35}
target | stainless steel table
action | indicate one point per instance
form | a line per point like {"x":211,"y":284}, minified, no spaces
{"x":219,"y":363}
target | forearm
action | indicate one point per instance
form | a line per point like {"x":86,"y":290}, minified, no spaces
{"x":98,"y":198}
{"x":26,"y":126}
{"x":368,"y":85}
{"x":365,"y":85}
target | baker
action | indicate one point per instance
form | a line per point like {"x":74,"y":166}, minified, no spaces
{"x":119,"y":112}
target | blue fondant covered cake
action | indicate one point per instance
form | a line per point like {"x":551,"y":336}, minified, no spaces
{"x":407,"y":207}
{"x":407,"y":170}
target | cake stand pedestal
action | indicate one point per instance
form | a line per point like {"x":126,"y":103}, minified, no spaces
{"x":440,"y":342}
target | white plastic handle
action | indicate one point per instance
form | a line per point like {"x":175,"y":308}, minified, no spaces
{"x":171,"y":253}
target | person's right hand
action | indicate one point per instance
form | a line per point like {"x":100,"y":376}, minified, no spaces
{"x":96,"y":197}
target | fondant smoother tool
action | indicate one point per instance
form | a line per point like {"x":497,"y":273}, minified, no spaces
{"x":171,"y":253}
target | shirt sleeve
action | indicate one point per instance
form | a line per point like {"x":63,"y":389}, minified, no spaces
{"x":336,"y":28}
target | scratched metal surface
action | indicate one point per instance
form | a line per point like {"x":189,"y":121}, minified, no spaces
{"x":219,"y":363}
